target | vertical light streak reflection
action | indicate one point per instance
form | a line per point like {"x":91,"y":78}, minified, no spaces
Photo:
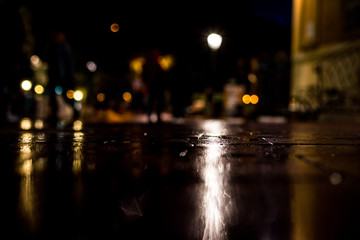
{"x":214,"y":192}
{"x":215,"y":197}
{"x":78,"y":152}
{"x":25,"y":169}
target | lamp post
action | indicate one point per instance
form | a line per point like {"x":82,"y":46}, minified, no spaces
{"x":214,"y":41}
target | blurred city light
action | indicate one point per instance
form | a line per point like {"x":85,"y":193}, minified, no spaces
{"x":25,"y":124}
{"x":254,"y":99}
{"x":252,"y":78}
{"x":58,"y":90}
{"x":39,"y":89}
{"x":39,"y":124}
{"x":166,"y":62}
{"x":127,"y":97}
{"x":35,"y":60}
{"x":137,"y":64}
{"x":77,"y":126}
{"x":100,"y":97}
{"x":78,"y":95}
{"x":214,"y":41}
{"x":26,"y":85}
{"x":70,"y":94}
{"x":114,"y":27}
{"x":91,"y":66}
{"x":246,"y":99}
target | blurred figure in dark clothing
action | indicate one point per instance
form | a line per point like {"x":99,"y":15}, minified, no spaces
{"x":61,"y":72}
{"x":154,"y":79}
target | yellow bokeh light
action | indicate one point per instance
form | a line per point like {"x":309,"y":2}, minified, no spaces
{"x":78,"y":125}
{"x":100,"y":97}
{"x":246,"y":99}
{"x":137,"y":65}
{"x":78,"y":95}
{"x":39,"y":89}
{"x":254,"y":99}
{"x":127,"y":97}
{"x":114,"y":27}
{"x":25,"y":124}
{"x":39,"y":124}
{"x":70,"y":94}
{"x":26,"y":85}
{"x":166,"y":62}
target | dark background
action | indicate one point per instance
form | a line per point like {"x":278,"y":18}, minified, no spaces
{"x":254,"y":28}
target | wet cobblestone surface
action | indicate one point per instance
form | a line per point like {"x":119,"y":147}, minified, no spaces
{"x":196,"y":180}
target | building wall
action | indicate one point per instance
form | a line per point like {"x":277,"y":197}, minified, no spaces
{"x":325,"y":54}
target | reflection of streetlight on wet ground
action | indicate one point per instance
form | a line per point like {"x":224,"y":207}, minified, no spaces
{"x":214,"y":168}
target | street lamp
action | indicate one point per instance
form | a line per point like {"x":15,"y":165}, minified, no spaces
{"x":214,"y":41}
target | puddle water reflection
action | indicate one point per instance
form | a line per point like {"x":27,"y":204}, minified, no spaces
{"x":25,"y":168}
{"x":78,"y":152}
{"x":216,"y":198}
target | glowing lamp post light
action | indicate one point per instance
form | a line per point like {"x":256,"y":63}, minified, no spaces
{"x":26,"y":85}
{"x":214,"y":41}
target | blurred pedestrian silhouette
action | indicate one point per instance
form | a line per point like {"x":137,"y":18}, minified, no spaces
{"x":61,"y":73}
{"x":154,"y":79}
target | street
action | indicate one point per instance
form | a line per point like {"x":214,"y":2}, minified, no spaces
{"x":201,"y":179}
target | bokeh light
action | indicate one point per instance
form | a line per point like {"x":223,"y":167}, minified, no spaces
{"x":78,"y":125}
{"x":39,"y":89}
{"x":246,"y":99}
{"x":127,"y":97}
{"x":91,"y":66}
{"x":100,"y":97}
{"x":35,"y":60}
{"x":26,"y":85}
{"x":166,"y":62}
{"x":114,"y":27}
{"x":39,"y":124}
{"x":254,"y":99}
{"x":70,"y":94}
{"x":25,"y":124}
{"x":78,"y":95}
{"x":252,"y":78}
{"x":214,"y":41}
{"x":136,"y":65}
{"x":58,"y":90}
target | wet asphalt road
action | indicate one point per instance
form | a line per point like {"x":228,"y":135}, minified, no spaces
{"x":196,"y":180}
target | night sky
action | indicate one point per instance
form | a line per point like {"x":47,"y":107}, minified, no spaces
{"x":177,"y":27}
